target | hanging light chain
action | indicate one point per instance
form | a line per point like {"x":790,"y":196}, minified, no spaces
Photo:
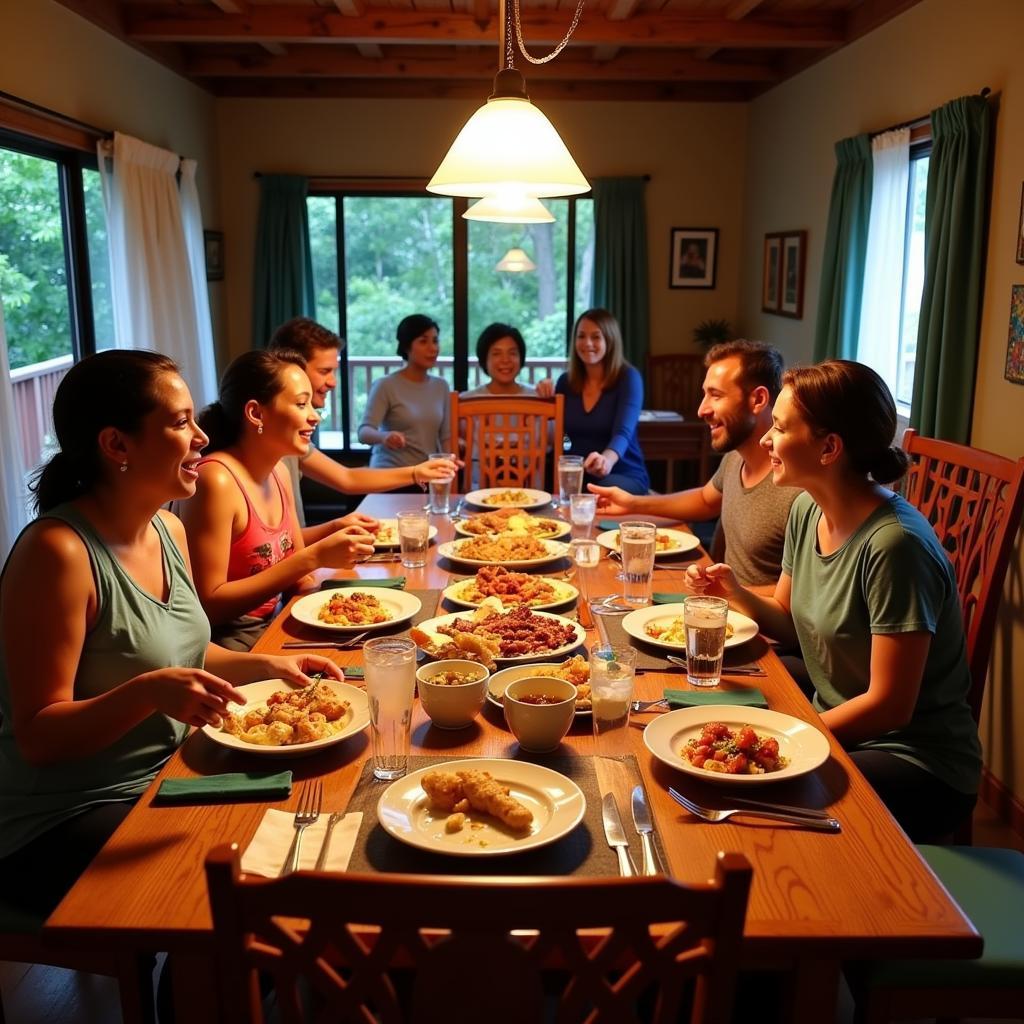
{"x":556,"y":51}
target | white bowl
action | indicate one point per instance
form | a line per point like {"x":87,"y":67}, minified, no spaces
{"x":452,"y":706}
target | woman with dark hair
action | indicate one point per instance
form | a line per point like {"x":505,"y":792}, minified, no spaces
{"x":242,"y":528}
{"x":603,"y":398}
{"x":870,"y":595}
{"x":406,"y":417}
{"x":105,"y":659}
{"x":501,"y":353}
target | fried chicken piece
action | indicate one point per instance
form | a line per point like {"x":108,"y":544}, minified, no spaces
{"x":454,"y":822}
{"x":443,"y":789}
{"x":485,"y":793}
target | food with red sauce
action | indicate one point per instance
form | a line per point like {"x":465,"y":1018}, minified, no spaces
{"x":734,"y":752}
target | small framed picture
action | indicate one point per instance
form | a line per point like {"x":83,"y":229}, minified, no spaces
{"x":693,"y":258}
{"x":791,"y":279}
{"x":213,"y":244}
{"x":1020,"y":228}
{"x":771,"y":292}
{"x":1015,"y":343}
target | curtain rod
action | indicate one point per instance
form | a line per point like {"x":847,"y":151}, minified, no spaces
{"x":919,"y":121}
{"x":56,"y":115}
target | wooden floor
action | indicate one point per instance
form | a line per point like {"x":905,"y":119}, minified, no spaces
{"x":48,"y":995}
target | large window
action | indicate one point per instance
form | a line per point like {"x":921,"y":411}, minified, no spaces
{"x":913,"y":280}
{"x":377,"y":258}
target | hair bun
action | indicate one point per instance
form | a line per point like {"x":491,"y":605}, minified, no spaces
{"x":890,"y":465}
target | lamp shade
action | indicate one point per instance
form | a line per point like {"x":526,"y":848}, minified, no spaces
{"x":508,"y":209}
{"x":508,"y":147}
{"x":515,"y":260}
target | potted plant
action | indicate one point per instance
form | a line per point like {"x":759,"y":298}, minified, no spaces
{"x":711,"y":332}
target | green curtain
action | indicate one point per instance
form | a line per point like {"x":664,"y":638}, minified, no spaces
{"x":620,"y":260}
{"x":954,"y":231}
{"x":283,"y":267}
{"x":846,"y":246}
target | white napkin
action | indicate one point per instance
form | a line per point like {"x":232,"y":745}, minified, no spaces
{"x":269,"y":848}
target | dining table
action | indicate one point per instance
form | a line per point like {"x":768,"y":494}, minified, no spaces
{"x":817,"y":899}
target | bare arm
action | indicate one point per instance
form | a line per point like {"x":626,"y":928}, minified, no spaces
{"x":695,"y":505}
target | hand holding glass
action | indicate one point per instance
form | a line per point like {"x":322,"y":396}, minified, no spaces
{"x":390,"y":666}
{"x":637,"y":542}
{"x":705,"y":620}
{"x":413,"y":538}
{"x":441,"y":490}
{"x":570,"y":477}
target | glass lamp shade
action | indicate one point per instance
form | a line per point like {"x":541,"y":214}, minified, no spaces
{"x":515,"y":260}
{"x":508,"y":209}
{"x":508,"y":147}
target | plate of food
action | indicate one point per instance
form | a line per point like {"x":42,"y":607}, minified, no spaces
{"x":516,"y":634}
{"x":279,"y":719}
{"x":355,"y":609}
{"x":387,"y":534}
{"x":506,"y":497}
{"x":576,"y":670}
{"x":504,"y":549}
{"x":511,"y":588}
{"x":481,"y":807}
{"x":513,"y":520}
{"x":736,"y":745}
{"x":667,"y":542}
{"x":662,"y":625}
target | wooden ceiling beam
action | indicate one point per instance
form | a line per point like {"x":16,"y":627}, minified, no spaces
{"x":231,"y":6}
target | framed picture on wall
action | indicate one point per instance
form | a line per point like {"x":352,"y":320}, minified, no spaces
{"x":1020,"y":228}
{"x":213,"y":243}
{"x":791,"y":278}
{"x":771,"y":292}
{"x":693,"y":258}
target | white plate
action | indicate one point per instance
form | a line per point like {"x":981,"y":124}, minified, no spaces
{"x":743,"y":629}
{"x":430,"y":626}
{"x":563,"y":528}
{"x":382,"y":545}
{"x":534,"y":498}
{"x":557,"y":804}
{"x":500,"y":679}
{"x":681,"y":542}
{"x":565,"y":592}
{"x":257,"y":693}
{"x":555,"y":550}
{"x":807,"y":748}
{"x":401,"y":605}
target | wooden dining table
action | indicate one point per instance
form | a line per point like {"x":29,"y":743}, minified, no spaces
{"x":816,"y":900}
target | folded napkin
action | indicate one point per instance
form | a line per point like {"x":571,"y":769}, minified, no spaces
{"x":267,"y":852}
{"x":667,"y":597}
{"x":395,"y":582}
{"x":353,"y":671}
{"x":608,"y":524}
{"x":231,"y":786}
{"x":698,"y":698}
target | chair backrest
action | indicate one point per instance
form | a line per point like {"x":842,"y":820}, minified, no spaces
{"x":973,"y":499}
{"x":506,"y":441}
{"x":350,"y":936}
{"x":676,"y":382}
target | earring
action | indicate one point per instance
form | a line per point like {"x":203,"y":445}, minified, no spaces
{"x":259,"y":429}
{"x":124,"y":466}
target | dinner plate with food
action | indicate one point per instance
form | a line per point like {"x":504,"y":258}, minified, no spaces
{"x":503,"y":549}
{"x":667,"y":542}
{"x":513,"y":520}
{"x":575,"y":670}
{"x":355,"y":609}
{"x":387,"y":534}
{"x":508,"y":497}
{"x":511,"y":588}
{"x":736,"y":745}
{"x":662,"y":625}
{"x":481,"y":807}
{"x":490,"y":634}
{"x":279,"y":719}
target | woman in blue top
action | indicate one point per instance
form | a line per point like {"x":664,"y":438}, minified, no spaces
{"x":603,"y":398}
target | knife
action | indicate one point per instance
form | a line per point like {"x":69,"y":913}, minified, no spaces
{"x":645,"y":827}
{"x":616,"y":836}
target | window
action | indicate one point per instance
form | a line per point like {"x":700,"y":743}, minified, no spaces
{"x":377,"y":258}
{"x":913,"y":280}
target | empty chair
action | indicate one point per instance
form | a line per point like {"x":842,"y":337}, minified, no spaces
{"x":416,"y":948}
{"x":676,"y":382}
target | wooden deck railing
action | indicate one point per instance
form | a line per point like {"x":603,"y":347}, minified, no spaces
{"x":34,"y":387}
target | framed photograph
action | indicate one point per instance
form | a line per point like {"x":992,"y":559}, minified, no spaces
{"x":1020,"y":228}
{"x":1015,"y":344}
{"x":693,"y":258}
{"x":771,"y":292}
{"x":791,"y":279}
{"x":213,"y":243}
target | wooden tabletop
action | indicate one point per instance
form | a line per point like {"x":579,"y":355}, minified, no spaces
{"x":815,"y":896}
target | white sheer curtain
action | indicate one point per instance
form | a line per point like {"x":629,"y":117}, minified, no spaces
{"x":204,"y":390}
{"x":879,"y":341}
{"x":153,"y":283}
{"x":13,"y":485}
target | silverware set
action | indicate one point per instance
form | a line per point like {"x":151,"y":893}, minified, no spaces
{"x":615,"y":834}
{"x":739,"y":670}
{"x":325,"y":645}
{"x":807,"y":817}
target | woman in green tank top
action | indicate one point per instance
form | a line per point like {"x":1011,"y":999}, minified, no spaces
{"x":105,"y":660}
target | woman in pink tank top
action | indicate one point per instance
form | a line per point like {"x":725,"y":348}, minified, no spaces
{"x":243,"y":532}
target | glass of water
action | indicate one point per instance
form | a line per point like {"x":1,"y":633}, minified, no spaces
{"x":704,"y":619}
{"x":637,"y":542}
{"x":582,"y":510}
{"x":570,"y":477}
{"x":390,"y":666}
{"x":413,"y":538}
{"x":612,"y":669}
{"x":586,"y":554}
{"x":441,"y":490}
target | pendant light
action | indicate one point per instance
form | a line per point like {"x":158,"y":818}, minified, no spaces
{"x":510,"y":210}
{"x":516,"y":261}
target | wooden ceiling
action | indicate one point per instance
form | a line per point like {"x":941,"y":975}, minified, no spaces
{"x":622,"y":49}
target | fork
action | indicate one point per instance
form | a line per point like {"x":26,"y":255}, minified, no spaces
{"x":321,"y":861}
{"x":333,"y":645}
{"x":713,"y":815}
{"x":306,"y":815}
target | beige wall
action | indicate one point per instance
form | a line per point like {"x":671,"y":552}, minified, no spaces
{"x":695,"y":154}
{"x":936,"y":51}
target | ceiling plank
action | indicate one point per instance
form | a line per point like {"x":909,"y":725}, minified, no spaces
{"x":275,"y":49}
{"x":603,"y":54}
{"x":620,"y":10}
{"x":369,"y":51}
{"x":735,"y":12}
{"x":231,"y":6}
{"x":351,"y":8}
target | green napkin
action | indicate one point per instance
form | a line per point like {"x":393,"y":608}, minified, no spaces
{"x":353,"y":671}
{"x":698,"y":698}
{"x":608,"y":524}
{"x":667,"y":597}
{"x":230,"y":786}
{"x":394,"y":582}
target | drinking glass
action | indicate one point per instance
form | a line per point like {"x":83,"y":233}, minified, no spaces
{"x":582,"y":509}
{"x":704,"y":619}
{"x":441,"y":490}
{"x":612,"y":669}
{"x":413,"y":538}
{"x":605,"y":610}
{"x":390,"y":666}
{"x":586,"y":554}
{"x":636,"y":545}
{"x":570,"y":477}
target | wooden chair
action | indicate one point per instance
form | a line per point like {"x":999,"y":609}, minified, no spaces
{"x":405,"y":949}
{"x":506,"y":440}
{"x":676,"y":382}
